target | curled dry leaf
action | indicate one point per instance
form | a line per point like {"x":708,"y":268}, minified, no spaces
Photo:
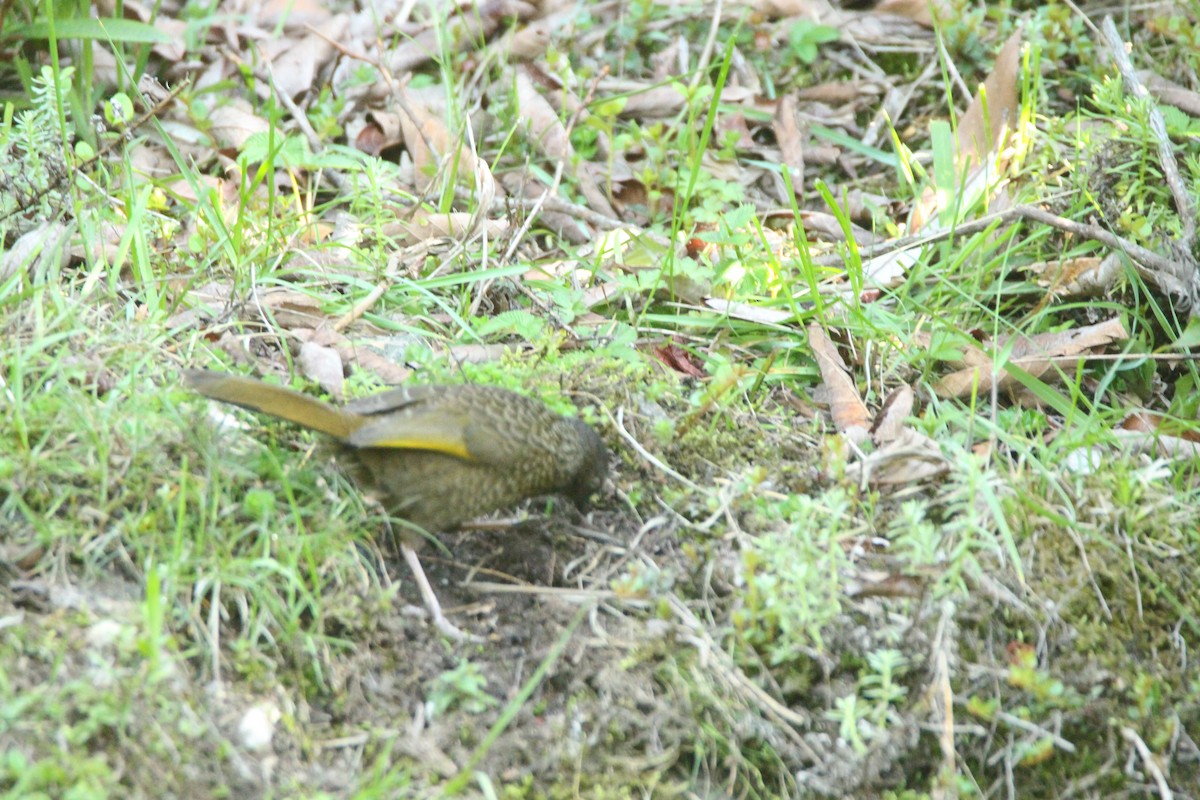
{"x":910,"y":458}
{"x":876,"y":583}
{"x":1170,"y":93}
{"x":40,"y":248}
{"x":897,"y":408}
{"x":790,"y":139}
{"x":1089,"y":276}
{"x":982,"y":132}
{"x":850,"y":415}
{"x":1143,"y":431}
{"x":679,"y":359}
{"x":455,"y":225}
{"x":1035,"y":355}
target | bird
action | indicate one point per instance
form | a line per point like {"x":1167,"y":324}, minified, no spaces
{"x":438,"y":454}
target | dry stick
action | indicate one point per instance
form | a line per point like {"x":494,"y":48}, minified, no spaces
{"x":721,"y":665}
{"x":561,"y":206}
{"x":1159,"y":270}
{"x":1166,"y":154}
{"x":347,"y":52}
{"x":1026,"y":725}
{"x":1160,"y":780}
{"x":362,"y":306}
{"x":619,"y":424}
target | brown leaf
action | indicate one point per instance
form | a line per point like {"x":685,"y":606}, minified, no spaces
{"x":456,"y":225}
{"x":647,"y":102}
{"x":1171,"y":93}
{"x":433,"y":149}
{"x":1035,"y":355}
{"x":910,"y":458}
{"x":235,"y":122}
{"x":978,"y":137}
{"x":885,"y":584}
{"x":850,"y":415}
{"x":40,"y":248}
{"x":291,"y":309}
{"x":916,"y":10}
{"x":355,"y":355}
{"x":679,"y":360}
{"x":790,"y":139}
{"x":1089,"y":276}
{"x":550,"y":136}
{"x":890,"y":422}
{"x":295,"y":69}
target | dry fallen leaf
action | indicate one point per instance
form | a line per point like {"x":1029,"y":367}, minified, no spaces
{"x":679,"y":360}
{"x":1035,"y":355}
{"x":550,"y":136}
{"x":890,"y":421}
{"x":849,"y":412}
{"x":1089,"y":276}
{"x":980,"y":137}
{"x":295,"y":69}
{"x":235,"y":122}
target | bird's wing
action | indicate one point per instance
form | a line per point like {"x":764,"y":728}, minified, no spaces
{"x":397,"y":399}
{"x":454,"y":432}
{"x":432,"y":428}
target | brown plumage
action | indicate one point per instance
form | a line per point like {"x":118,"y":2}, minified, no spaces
{"x":440,"y":455}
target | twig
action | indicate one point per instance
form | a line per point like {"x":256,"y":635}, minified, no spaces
{"x":361,"y":307}
{"x":710,"y":45}
{"x":1167,"y":274}
{"x":1026,"y":725}
{"x":1166,"y":153}
{"x":720,"y":664}
{"x":619,"y":424}
{"x":103,"y":151}
{"x":1131,"y":736}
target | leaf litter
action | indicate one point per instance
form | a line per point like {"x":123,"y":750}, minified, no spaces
{"x":456,"y":190}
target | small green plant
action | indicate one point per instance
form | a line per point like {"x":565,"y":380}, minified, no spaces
{"x":33,"y":163}
{"x":791,"y":573}
{"x":462,"y":687}
{"x":806,"y":37}
{"x":873,"y":708}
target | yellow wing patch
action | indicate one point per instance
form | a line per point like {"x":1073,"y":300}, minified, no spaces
{"x":435,"y":430}
{"x":451,"y":448}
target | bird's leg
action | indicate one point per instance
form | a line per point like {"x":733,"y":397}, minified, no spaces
{"x":431,"y":602}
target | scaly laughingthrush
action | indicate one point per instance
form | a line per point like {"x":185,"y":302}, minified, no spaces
{"x":439,"y":455}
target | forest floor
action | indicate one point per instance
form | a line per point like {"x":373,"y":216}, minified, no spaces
{"x":885,"y":315}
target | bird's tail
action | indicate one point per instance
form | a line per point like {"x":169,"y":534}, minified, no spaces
{"x":274,"y":400}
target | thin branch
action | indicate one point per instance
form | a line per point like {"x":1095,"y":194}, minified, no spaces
{"x":1166,"y":153}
